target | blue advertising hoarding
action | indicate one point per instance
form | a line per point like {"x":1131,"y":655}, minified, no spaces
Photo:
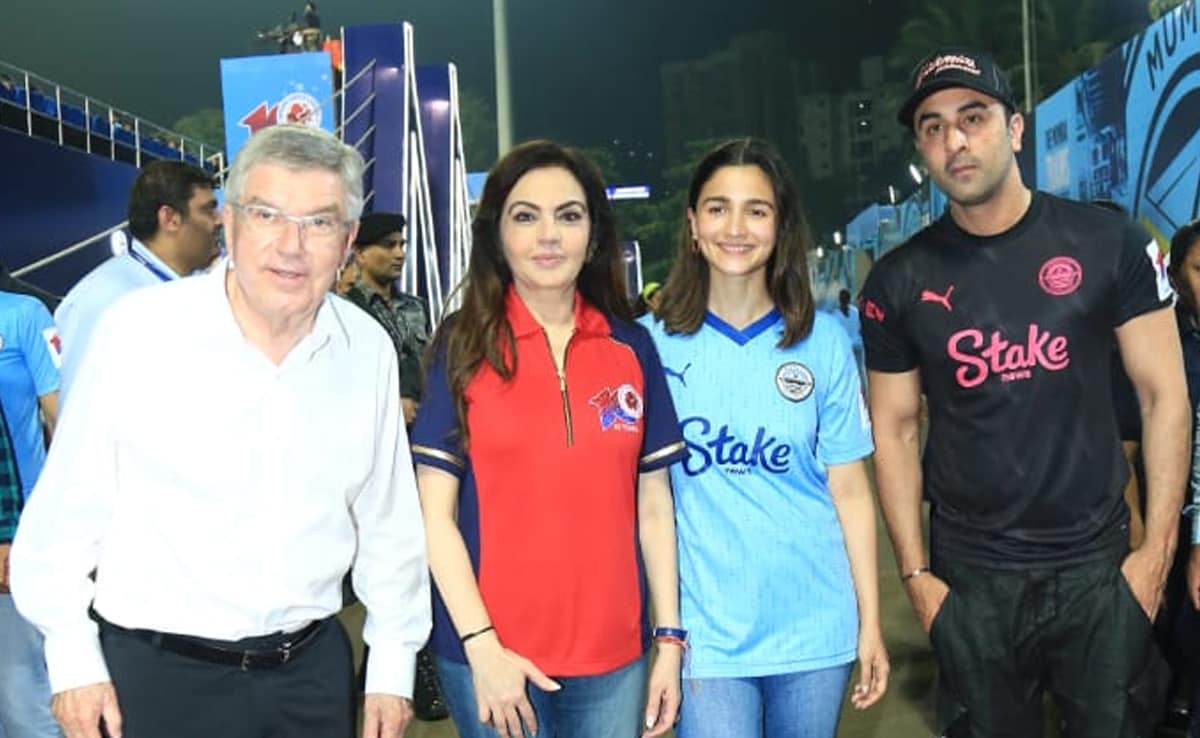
{"x":260,"y":91}
{"x":1126,"y":130}
{"x":434,"y":82}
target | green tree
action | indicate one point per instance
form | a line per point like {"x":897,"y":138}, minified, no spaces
{"x":206,"y":126}
{"x":1068,"y":37}
{"x":1159,"y":8}
{"x":478,"y":122}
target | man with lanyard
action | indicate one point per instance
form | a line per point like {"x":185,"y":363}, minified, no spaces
{"x":29,"y":380}
{"x":378,"y":259}
{"x":379,"y":253}
{"x":1004,"y":313}
{"x":173,"y":219}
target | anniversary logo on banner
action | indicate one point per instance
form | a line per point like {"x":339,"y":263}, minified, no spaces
{"x":260,"y":91}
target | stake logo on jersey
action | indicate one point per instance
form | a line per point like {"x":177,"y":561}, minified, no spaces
{"x":619,"y":408}
{"x":794,"y":381}
{"x":1060,"y":276}
{"x":733,"y":454}
{"x":1007,"y":360}
{"x":1160,"y":261}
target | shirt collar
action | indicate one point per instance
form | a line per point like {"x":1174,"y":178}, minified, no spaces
{"x":328,"y":324}
{"x":369,"y":292}
{"x":588,"y":318}
{"x":144,"y":251}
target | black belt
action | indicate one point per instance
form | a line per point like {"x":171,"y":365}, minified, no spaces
{"x":263,"y":656}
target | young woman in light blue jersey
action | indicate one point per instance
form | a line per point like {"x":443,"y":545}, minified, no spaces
{"x":775,"y":518}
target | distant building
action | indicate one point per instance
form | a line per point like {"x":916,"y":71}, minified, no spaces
{"x":754,"y":87}
{"x":851,"y":134}
{"x":742,"y":90}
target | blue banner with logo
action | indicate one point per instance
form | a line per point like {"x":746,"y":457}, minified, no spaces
{"x":260,"y":91}
{"x":1125,"y":130}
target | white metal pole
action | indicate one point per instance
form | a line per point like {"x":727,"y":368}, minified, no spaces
{"x":1028,"y":56}
{"x":504,"y":136}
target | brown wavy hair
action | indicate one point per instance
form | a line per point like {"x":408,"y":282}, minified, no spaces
{"x":479,"y":331}
{"x":685,"y":294}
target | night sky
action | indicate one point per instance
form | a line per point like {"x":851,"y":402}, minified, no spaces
{"x":582,"y":71}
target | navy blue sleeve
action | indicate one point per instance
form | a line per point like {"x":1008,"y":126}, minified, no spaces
{"x":662,"y":442}
{"x":435,"y":437}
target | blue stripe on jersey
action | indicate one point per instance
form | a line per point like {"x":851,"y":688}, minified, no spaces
{"x":745,"y":335}
{"x":765,"y":585}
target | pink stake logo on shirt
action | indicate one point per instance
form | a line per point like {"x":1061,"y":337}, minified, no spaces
{"x":1010,"y":361}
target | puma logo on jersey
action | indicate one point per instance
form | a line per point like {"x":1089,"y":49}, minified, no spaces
{"x":943,"y":300}
{"x":678,"y":375}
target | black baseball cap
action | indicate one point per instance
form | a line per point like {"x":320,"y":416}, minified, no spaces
{"x":955,"y":67}
{"x":373,"y":227}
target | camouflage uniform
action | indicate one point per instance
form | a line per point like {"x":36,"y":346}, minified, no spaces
{"x":406,"y":320}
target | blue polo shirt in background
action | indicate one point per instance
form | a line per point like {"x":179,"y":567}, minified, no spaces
{"x":30,"y":355}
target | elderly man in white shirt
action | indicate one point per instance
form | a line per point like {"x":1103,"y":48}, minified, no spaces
{"x":221,"y":520}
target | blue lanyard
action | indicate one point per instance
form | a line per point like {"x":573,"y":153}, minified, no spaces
{"x":154,"y":269}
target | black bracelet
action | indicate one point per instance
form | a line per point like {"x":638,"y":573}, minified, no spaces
{"x":472,"y":634}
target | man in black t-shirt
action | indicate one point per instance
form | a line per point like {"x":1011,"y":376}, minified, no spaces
{"x":1004,"y":313}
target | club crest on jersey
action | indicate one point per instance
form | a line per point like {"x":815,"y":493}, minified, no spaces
{"x":619,"y":408}
{"x":794,"y":381}
{"x":1060,"y":276}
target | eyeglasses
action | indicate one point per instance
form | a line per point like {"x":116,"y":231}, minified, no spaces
{"x":271,"y":221}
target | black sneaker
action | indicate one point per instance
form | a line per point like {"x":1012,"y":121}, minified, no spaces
{"x":428,"y":704}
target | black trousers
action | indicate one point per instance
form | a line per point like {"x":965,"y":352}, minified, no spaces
{"x":162,"y":694}
{"x":1003,"y":638}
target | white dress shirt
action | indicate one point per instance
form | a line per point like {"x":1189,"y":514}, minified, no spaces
{"x":221,"y":496}
{"x":83,"y":305}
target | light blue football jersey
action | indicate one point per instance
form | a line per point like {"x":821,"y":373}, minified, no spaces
{"x":765,"y":585}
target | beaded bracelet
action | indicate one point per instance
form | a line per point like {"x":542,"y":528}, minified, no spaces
{"x":915,"y":572}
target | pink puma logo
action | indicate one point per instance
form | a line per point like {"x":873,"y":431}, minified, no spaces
{"x":943,"y":300}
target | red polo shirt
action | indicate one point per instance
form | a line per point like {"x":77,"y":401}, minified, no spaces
{"x":548,"y":492}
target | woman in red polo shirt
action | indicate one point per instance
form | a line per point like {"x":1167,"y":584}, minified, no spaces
{"x":542,"y":448}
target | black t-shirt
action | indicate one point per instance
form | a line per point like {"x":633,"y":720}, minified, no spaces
{"x":1126,"y":405}
{"x":1013,"y":337}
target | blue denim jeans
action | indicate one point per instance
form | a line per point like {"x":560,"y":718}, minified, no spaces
{"x":606,"y":705}
{"x":24,"y":685}
{"x":799,"y":705}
